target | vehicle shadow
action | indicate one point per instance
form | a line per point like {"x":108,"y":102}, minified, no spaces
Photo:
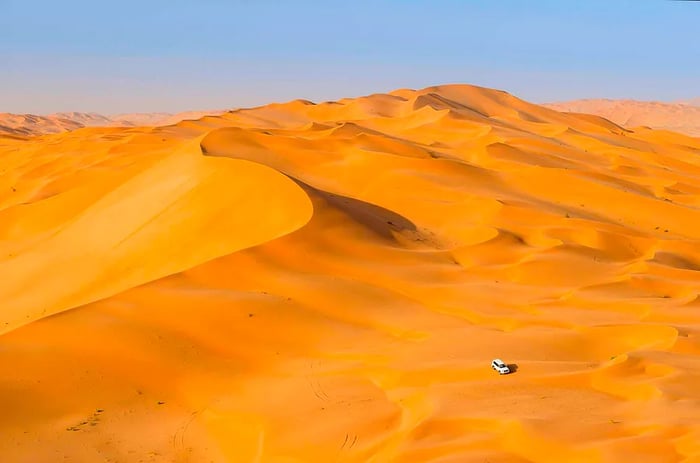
{"x":513,"y":367}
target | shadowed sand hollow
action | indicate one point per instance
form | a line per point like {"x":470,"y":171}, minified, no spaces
{"x":329,"y":282}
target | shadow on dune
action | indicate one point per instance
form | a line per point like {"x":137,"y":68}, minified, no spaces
{"x":513,"y":367}
{"x":670,"y":259}
{"x":378,"y":219}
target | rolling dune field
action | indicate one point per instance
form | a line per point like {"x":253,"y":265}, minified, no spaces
{"x":329,"y":282}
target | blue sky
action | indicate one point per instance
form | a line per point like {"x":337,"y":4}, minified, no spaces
{"x":153,"y":55}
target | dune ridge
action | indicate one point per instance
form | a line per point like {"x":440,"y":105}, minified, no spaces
{"x":329,"y":281}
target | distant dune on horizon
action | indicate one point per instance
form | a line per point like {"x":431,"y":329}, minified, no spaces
{"x":691,"y":102}
{"x":32,"y":124}
{"x":683,"y":117}
{"x":330,"y":282}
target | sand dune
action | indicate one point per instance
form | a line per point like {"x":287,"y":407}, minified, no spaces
{"x":692,"y":102}
{"x":683,"y":117}
{"x":86,"y":119}
{"x":32,"y":125}
{"x":308,"y":282}
{"x":158,"y":119}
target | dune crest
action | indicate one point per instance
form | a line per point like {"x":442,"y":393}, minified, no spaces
{"x":329,"y":281}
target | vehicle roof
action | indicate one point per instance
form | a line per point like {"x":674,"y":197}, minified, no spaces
{"x":498,"y":361}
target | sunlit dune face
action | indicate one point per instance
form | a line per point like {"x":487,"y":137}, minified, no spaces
{"x":330,"y":282}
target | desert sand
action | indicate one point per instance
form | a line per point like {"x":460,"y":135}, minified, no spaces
{"x":34,"y":124}
{"x":329,"y":282}
{"x":683,"y":116}
{"x":692,"y":102}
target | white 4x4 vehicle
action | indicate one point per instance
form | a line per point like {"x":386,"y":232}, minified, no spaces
{"x":500,"y":367}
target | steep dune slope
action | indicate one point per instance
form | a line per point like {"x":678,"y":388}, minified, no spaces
{"x":329,"y":282}
{"x":80,"y":230}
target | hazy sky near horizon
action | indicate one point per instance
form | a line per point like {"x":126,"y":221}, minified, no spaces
{"x":156,"y":55}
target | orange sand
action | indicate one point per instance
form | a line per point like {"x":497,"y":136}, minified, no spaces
{"x":328,"y":282}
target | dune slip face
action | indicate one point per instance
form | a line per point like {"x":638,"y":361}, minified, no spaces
{"x":329,"y":282}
